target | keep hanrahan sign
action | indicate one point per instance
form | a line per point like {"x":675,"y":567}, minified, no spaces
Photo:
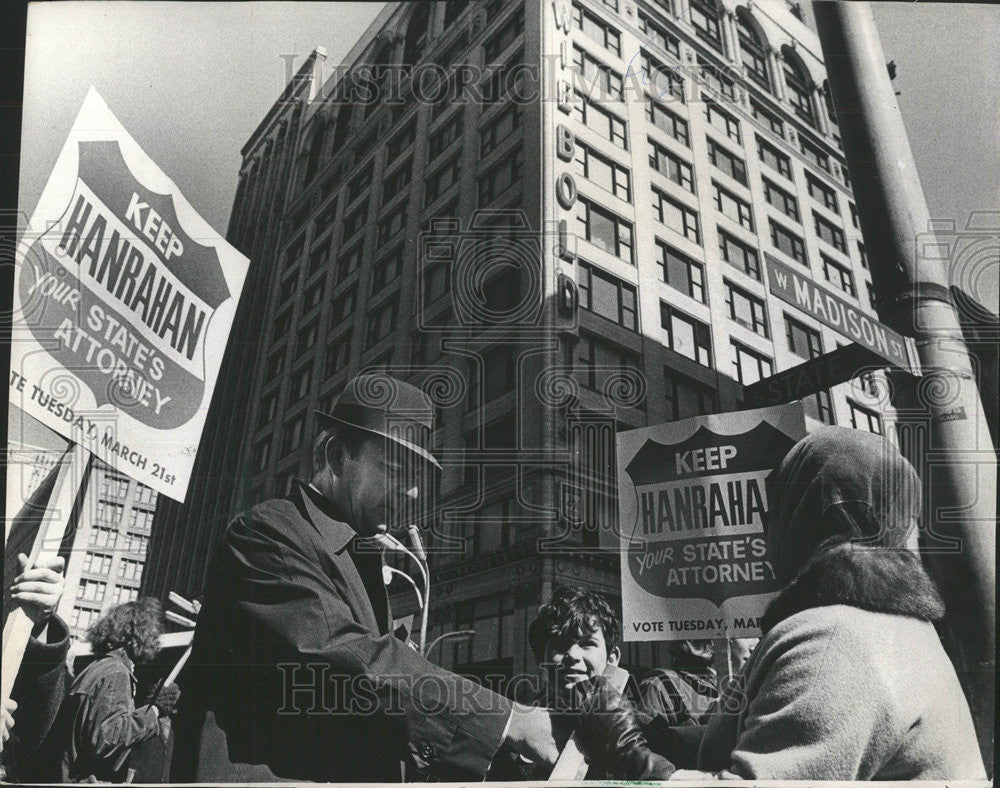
{"x":123,"y":301}
{"x":693,"y":501}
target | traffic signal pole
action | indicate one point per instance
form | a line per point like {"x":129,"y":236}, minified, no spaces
{"x":957,"y":456}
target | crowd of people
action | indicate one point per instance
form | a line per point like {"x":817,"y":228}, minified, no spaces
{"x":296,"y":672}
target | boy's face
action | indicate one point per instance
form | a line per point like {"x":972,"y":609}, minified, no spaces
{"x":571,"y":660}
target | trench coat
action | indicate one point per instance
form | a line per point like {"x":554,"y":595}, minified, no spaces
{"x":295,"y":672}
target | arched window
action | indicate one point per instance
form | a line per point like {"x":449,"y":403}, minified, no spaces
{"x":416,"y":33}
{"x":799,"y":87}
{"x":753,"y":50}
{"x":705,"y":17}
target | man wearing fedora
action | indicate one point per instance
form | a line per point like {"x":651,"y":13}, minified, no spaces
{"x":295,"y":672}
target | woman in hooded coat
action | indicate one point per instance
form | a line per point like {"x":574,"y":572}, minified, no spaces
{"x":849,"y":681}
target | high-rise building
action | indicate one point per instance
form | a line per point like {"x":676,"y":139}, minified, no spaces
{"x":107,"y":550}
{"x":557,"y":216}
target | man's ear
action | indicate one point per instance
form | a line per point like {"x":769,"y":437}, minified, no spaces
{"x":334,"y":455}
{"x":614,"y":656}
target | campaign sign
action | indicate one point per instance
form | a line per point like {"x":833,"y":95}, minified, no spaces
{"x":693,"y":505}
{"x":123,"y":301}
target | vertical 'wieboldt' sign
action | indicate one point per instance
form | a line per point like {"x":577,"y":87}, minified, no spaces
{"x":693,"y":500}
{"x":123,"y":297}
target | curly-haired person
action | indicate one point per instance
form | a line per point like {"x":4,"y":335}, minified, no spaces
{"x":99,"y":721}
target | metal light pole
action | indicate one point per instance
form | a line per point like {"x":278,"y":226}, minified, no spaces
{"x":943,"y":414}
{"x":458,"y":634}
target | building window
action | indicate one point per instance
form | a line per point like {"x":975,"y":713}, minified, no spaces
{"x":275,"y":364}
{"x":604,"y":229}
{"x":314,"y":294}
{"x":102,"y":537}
{"x":664,"y":79}
{"x":125,"y":594}
{"x":82,"y":617}
{"x":685,"y":335}
{"x":307,"y":338}
{"x":788,"y":242}
{"x":597,"y":30}
{"x":819,"y":407}
{"x":499,"y":128}
{"x":670,"y":164}
{"x":829,"y":233}
{"x":441,"y":180}
{"x":401,"y":141}
{"x":387,"y":269}
{"x":338,"y":352}
{"x":864,"y":419}
{"x":814,"y":154}
{"x":291,"y":437}
{"x":769,"y":119}
{"x":774,"y":158}
{"x":343,"y":307}
{"x":753,"y":51}
{"x":685,"y":397}
{"x":110,"y":512}
{"x":444,"y":136}
{"x":396,"y":182}
{"x":359,"y":183}
{"x":729,"y":163}
{"x":596,"y":74}
{"x":131,"y":570}
{"x":436,"y":284}
{"x":603,"y":121}
{"x":268,"y":409}
{"x":608,"y":174}
{"x":680,"y":271}
{"x":705,"y":19}
{"x":799,"y":88}
{"x":501,"y":177}
{"x":722,"y":120}
{"x":382,"y":322}
{"x":497,"y":44}
{"x":261,"y":454}
{"x":350,"y":262}
{"x":294,"y":251}
{"x":301,"y":380}
{"x":657,"y":34}
{"x":839,"y":276}
{"x":781,"y":200}
{"x":854,"y":215}
{"x":746,"y":309}
{"x":803,"y":341}
{"x":146,"y":494}
{"x":728,"y":204}
{"x":863,"y":255}
{"x":391,"y":224}
{"x":597,"y":359}
{"x":749,"y":365}
{"x":738,"y":254}
{"x":96,"y":564}
{"x":824,"y":194}
{"x":607,"y":296}
{"x":282,"y":325}
{"x":677,"y":216}
{"x":667,"y":120}
{"x":356,"y":221}
{"x":716,"y":80}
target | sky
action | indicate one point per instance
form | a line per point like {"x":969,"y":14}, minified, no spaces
{"x":191,"y":81}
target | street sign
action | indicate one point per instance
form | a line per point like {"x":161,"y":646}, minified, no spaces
{"x":795,"y":288}
{"x":812,"y":376}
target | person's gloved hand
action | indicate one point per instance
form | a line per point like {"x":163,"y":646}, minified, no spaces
{"x":166,"y":699}
{"x":609,"y":735}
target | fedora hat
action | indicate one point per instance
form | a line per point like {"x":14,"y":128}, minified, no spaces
{"x":383,"y":405}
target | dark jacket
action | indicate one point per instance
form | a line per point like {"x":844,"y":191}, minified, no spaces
{"x":39,"y":690}
{"x":295,"y":673}
{"x":99,"y":723}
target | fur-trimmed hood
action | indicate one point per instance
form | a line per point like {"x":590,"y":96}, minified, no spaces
{"x":877,"y":579}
